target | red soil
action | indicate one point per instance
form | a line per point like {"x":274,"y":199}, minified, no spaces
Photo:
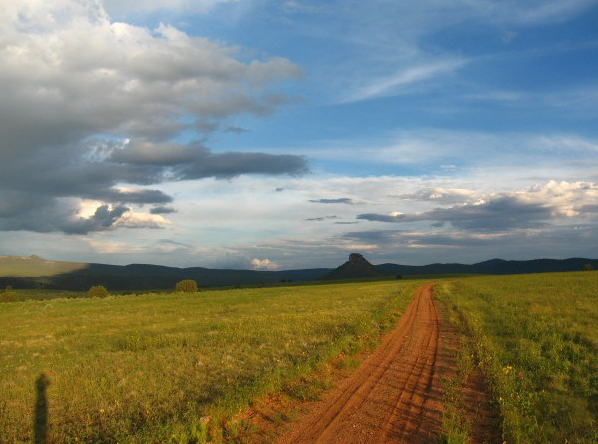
{"x":395,"y":395}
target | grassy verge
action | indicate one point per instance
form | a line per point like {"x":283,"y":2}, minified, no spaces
{"x":458,"y":354}
{"x":536,"y":339}
{"x":175,"y":367}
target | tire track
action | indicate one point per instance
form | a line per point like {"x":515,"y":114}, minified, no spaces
{"x":394,"y":396}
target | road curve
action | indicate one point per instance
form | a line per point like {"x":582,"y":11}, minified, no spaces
{"x":394,"y":396}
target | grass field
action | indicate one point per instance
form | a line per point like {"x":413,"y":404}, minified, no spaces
{"x":178,"y":368}
{"x":536,"y":337}
{"x":134,"y":369}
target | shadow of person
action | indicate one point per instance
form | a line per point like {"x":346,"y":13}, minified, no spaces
{"x":40,"y":415}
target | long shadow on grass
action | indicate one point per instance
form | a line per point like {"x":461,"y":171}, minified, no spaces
{"x":40,"y":414}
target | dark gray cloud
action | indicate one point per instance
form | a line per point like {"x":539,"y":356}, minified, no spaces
{"x":162,"y":210}
{"x":103,"y":219}
{"x":195,"y":161}
{"x":136,"y":196}
{"x":58,"y":174}
{"x":501,"y":213}
{"x":342,"y":200}
{"x":232,"y":164}
{"x":321,"y":219}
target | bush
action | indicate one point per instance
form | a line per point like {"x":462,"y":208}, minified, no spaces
{"x":186,"y":286}
{"x":9,"y":296}
{"x":97,"y":291}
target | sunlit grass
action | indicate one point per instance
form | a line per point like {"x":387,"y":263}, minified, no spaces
{"x":148,"y":368}
{"x":536,"y":337}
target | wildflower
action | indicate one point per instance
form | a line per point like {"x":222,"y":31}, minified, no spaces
{"x":102,"y":411}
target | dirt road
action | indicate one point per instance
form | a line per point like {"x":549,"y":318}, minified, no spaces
{"x":394,"y":396}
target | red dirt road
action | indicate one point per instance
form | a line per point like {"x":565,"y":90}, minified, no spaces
{"x":394,"y":396}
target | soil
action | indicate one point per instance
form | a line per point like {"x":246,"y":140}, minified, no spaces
{"x":395,"y":395}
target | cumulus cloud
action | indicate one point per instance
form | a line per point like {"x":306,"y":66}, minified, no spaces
{"x":91,"y":106}
{"x":264,"y":264}
{"x":104,"y":218}
{"x":534,"y":207}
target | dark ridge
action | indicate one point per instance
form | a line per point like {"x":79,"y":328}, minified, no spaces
{"x":35,"y":272}
{"x":356,"y":267}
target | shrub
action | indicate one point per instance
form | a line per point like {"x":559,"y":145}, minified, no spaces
{"x":9,"y":296}
{"x":186,"y":286}
{"x":97,"y":291}
{"x":587,"y":267}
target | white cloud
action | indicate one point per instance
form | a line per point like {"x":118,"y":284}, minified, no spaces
{"x":536,"y":206}
{"x":133,"y":219}
{"x":75,"y":85}
{"x":400,"y":81}
{"x":264,"y":264}
{"x":67,"y":62}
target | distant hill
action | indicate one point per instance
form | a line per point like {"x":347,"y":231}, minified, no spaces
{"x":35,"y":266}
{"x":36,"y":272}
{"x":356,"y":267}
{"x":493,"y":266}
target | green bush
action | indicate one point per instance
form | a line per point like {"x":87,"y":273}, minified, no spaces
{"x":186,"y":286}
{"x":9,"y":296}
{"x":97,"y":291}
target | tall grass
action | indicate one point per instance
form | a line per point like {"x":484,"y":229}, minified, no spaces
{"x":536,"y":338}
{"x":175,"y":367}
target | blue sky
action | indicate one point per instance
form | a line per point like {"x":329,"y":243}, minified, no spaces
{"x":276,"y":135}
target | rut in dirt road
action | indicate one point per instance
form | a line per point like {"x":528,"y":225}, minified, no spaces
{"x":394,"y":396}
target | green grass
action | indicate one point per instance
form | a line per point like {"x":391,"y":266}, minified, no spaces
{"x":536,"y":338}
{"x":138,"y":369}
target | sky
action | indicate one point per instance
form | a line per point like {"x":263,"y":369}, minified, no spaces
{"x":262,"y":134}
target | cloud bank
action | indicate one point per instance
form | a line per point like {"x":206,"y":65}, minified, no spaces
{"x":533,"y":208}
{"x":96,"y":110}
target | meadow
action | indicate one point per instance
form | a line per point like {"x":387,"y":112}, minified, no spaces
{"x":175,"y":367}
{"x":536,"y":339}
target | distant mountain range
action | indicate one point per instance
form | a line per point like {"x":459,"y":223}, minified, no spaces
{"x":36,"y":272}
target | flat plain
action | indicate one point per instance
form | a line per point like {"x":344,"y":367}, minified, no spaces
{"x":147,"y":368}
{"x":183,"y":368}
{"x":535,"y":337}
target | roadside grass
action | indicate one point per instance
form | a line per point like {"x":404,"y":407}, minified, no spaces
{"x":536,"y":339}
{"x":178,"y":368}
{"x":459,"y":357}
